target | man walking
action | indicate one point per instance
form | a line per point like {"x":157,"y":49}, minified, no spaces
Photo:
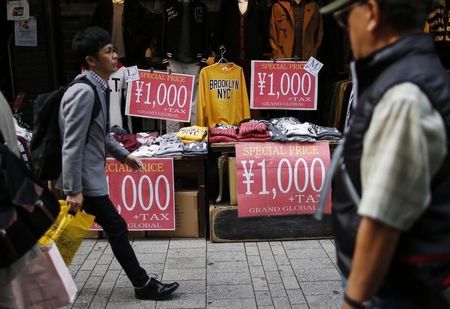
{"x":85,"y":143}
{"x":391,"y":202}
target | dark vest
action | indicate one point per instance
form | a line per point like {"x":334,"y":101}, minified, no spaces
{"x":411,"y":59}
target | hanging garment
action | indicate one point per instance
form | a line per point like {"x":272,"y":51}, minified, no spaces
{"x":282,"y":30}
{"x":222,"y":95}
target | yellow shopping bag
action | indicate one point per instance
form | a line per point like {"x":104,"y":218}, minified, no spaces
{"x":68,"y":232}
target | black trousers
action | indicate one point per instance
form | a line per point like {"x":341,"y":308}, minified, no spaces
{"x":114,"y":225}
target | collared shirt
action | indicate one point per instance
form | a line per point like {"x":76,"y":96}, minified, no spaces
{"x":403,"y":149}
{"x":103,"y":84}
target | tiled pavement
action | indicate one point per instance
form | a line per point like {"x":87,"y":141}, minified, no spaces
{"x":276,"y":274}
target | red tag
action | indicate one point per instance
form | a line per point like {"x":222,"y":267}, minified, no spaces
{"x":276,"y":179}
{"x":145,"y":199}
{"x":160,"y":95}
{"x":282,"y":85}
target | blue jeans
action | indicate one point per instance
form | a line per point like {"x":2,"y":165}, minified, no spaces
{"x":116,"y":228}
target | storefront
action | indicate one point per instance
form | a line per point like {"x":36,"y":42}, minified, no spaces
{"x":192,"y":48}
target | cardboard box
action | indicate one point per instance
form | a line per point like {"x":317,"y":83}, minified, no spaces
{"x":186,"y":216}
{"x":232,"y":180}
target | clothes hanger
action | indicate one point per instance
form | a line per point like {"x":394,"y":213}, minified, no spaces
{"x":222,"y":50}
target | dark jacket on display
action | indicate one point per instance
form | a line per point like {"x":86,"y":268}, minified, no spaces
{"x":411,"y":59}
{"x":255,"y":31}
{"x":282,"y":30}
{"x":140,"y":28}
{"x":198,"y":18}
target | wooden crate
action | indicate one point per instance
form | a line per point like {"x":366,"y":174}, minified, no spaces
{"x":225,"y":226}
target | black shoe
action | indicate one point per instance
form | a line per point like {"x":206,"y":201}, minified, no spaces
{"x":155,"y":290}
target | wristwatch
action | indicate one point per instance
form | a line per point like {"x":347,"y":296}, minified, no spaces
{"x":356,"y":304}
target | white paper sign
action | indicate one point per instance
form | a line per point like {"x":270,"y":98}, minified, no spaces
{"x":18,"y":10}
{"x":313,"y":66}
{"x":25,"y":32}
{"x":131,"y":74}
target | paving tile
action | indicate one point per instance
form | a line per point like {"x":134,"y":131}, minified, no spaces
{"x":228,"y":267}
{"x":111,"y":275}
{"x":93,"y":282}
{"x":153,"y":268}
{"x":270,"y":266}
{"x":121,"y":294}
{"x":296,"y":296}
{"x":180,"y":253}
{"x":263,"y":298}
{"x":105,"y":259}
{"x":148,"y":258}
{"x":251,"y":250}
{"x":191,"y":286}
{"x":304,"y":244}
{"x":263,"y":246}
{"x":187,"y":262}
{"x":313,"y":274}
{"x":184,"y":301}
{"x":286,"y":271}
{"x":250,"y":244}
{"x":106,"y":288}
{"x":282,"y":259}
{"x":266,"y":307}
{"x":273,"y":277}
{"x":277,"y":290}
{"x":324,"y":301}
{"x":82,"y":277}
{"x":123,"y":282}
{"x":132,"y":305}
{"x":260,"y":284}
{"x":187,"y":243}
{"x":232,"y":256}
{"x":277,"y":249}
{"x":322,"y":287}
{"x":281,"y":303}
{"x":290,"y":283}
{"x":300,"y":306}
{"x":88,"y":265}
{"x":99,"y":302}
{"x":257,"y":271}
{"x":301,"y":264}
{"x":232,"y":303}
{"x":254,"y":260}
{"x":114,"y":265}
{"x":306,"y":253}
{"x":225,"y":247}
{"x":228,"y":278}
{"x":100,"y":270}
{"x":184,"y":274}
{"x":230,"y":291}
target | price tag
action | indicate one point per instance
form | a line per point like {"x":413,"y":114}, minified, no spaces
{"x":313,"y":66}
{"x":282,"y":85}
{"x":145,"y":199}
{"x":276,"y":179}
{"x":18,"y":10}
{"x":131,"y":74}
{"x":160,"y":95}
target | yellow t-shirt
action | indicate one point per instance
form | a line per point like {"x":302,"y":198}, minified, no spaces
{"x":222,"y":95}
{"x":192,"y":134}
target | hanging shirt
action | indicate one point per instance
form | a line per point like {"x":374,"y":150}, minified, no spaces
{"x":222,"y":95}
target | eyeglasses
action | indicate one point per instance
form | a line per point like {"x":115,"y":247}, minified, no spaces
{"x":342,"y":15}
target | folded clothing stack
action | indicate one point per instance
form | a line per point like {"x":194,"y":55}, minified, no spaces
{"x":223,"y":133}
{"x":253,"y":131}
{"x":193,"y":134}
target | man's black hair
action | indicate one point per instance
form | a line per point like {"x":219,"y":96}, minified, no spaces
{"x":88,"y":42}
{"x":406,"y":16}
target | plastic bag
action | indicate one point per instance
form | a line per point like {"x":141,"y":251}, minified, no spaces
{"x":68,"y":232}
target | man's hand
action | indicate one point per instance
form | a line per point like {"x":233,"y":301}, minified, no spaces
{"x":133,"y":162}
{"x":74,"y":202}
